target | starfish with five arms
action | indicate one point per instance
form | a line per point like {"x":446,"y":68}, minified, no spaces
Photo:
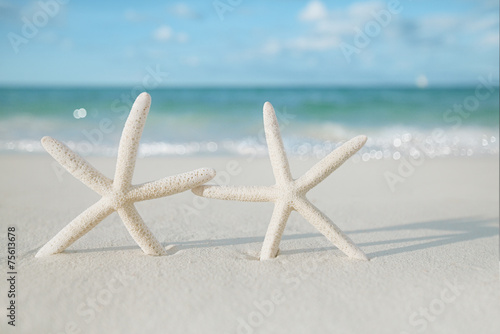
{"x":119,"y":194}
{"x":289,"y":194}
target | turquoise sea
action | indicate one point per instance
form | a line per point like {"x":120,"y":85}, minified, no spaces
{"x":187,"y":121}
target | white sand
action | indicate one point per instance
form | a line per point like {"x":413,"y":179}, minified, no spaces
{"x":438,"y":229}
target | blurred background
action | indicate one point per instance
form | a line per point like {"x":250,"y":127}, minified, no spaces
{"x":420,"y":78}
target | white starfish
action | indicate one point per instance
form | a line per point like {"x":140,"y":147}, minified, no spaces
{"x":119,"y":194}
{"x":289,"y":194}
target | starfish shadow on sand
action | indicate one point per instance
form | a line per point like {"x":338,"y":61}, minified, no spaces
{"x":459,"y":230}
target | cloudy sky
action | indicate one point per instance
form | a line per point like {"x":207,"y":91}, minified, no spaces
{"x":257,"y":43}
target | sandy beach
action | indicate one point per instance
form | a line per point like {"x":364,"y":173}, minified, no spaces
{"x":404,"y":93}
{"x":433,"y":244}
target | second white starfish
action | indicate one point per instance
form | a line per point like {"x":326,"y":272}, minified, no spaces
{"x":119,"y":194}
{"x":289,"y":194}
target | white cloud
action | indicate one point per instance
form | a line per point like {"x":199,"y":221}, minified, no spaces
{"x":314,"y":44}
{"x":401,"y":36}
{"x":364,"y":10}
{"x":191,"y":61}
{"x":134,"y":16}
{"x":163,"y":33}
{"x":335,"y":27}
{"x":491,"y":39}
{"x":329,"y":27}
{"x":488,"y":22}
{"x":432,"y":24}
{"x":184,"y":11}
{"x":271,"y":47}
{"x":182,"y":37}
{"x":315,"y":10}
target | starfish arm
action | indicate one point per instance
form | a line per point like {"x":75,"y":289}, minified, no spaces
{"x":242,"y":194}
{"x":277,"y":154}
{"x":331,"y":162}
{"x":171,"y":185}
{"x":324,"y":225}
{"x":77,"y":166}
{"x":139,"y":231}
{"x":275,"y":230}
{"x":83,"y":223}
{"x":129,"y":141}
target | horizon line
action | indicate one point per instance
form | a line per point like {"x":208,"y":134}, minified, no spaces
{"x":241,"y":86}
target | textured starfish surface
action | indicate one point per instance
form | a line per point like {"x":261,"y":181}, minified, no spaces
{"x":119,"y":194}
{"x":289,"y":194}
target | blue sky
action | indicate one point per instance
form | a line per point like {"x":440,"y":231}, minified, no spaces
{"x":257,"y":43}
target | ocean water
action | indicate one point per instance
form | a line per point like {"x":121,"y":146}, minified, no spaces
{"x":189,"y":121}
